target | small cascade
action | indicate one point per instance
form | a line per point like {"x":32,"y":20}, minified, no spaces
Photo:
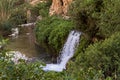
{"x":66,"y":53}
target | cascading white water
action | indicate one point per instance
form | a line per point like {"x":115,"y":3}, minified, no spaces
{"x":66,"y":53}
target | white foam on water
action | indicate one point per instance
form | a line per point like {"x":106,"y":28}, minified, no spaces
{"x":15,"y":33}
{"x":27,"y":25}
{"x":16,"y":56}
{"x":66,"y":53}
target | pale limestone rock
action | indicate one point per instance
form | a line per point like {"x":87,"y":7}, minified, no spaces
{"x":59,"y":7}
{"x":56,"y":7}
{"x":65,"y":7}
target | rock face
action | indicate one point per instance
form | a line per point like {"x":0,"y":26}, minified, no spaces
{"x":56,"y":7}
{"x":59,"y":7}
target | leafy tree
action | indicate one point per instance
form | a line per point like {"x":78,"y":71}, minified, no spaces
{"x":96,"y":18}
{"x":85,"y":14}
{"x":103,"y":56}
{"x":109,"y":18}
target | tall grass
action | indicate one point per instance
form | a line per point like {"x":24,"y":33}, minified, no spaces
{"x":6,"y":7}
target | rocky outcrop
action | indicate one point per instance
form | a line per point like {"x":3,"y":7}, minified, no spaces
{"x":56,"y":7}
{"x":60,"y":7}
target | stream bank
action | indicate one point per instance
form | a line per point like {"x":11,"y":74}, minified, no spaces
{"x":25,"y":44}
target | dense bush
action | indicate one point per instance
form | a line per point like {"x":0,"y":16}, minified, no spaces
{"x":99,"y":18}
{"x":83,"y":44}
{"x":11,"y":15}
{"x":59,"y":34}
{"x":96,"y":17}
{"x":103,"y":56}
{"x":6,"y":27}
{"x":85,"y":14}
{"x":41,"y":9}
{"x":109,"y":18}
{"x":18,"y":16}
{"x":53,"y":31}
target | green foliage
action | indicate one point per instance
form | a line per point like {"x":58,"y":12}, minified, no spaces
{"x":59,"y":34}
{"x":85,"y":14}
{"x":3,"y":42}
{"x":41,"y":9}
{"x":53,"y":32}
{"x":96,"y":17}
{"x":83,"y":44}
{"x":98,"y":61}
{"x":12,"y":14}
{"x":78,"y":73}
{"x":19,"y":16}
{"x":6,"y":8}
{"x":6,"y":26}
{"x":109,"y":19}
{"x":103,"y":56}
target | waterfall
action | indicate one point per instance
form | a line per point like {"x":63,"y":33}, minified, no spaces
{"x":66,"y":53}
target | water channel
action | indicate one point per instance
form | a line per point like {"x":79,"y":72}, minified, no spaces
{"x":25,"y":44}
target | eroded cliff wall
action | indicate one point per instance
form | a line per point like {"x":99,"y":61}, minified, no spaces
{"x":60,"y":7}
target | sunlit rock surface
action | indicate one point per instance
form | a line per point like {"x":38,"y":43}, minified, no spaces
{"x":59,"y":7}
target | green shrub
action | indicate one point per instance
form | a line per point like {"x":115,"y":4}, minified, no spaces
{"x":6,"y":26}
{"x":41,"y":9}
{"x":53,"y":31}
{"x":11,"y":15}
{"x":85,"y":14}
{"x":96,"y":17}
{"x":44,"y":28}
{"x":59,"y":34}
{"x":78,"y":73}
{"x":83,"y":44}
{"x":109,"y":18}
{"x":103,"y":56}
{"x":18,"y":16}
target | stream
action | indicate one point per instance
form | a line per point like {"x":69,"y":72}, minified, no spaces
{"x":25,"y":44}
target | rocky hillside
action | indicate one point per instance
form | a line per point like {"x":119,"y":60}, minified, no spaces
{"x":59,"y":7}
